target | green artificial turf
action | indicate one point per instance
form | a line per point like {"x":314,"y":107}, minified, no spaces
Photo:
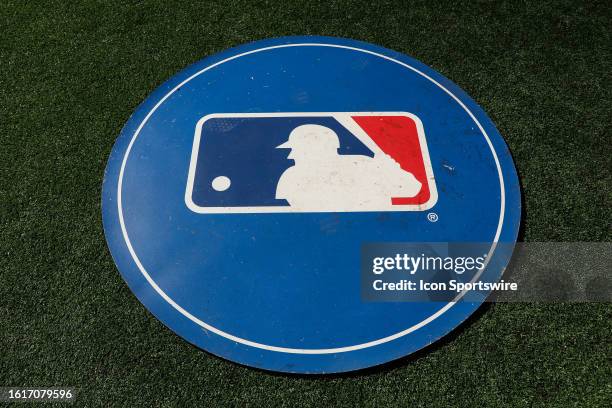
{"x":71,"y":75}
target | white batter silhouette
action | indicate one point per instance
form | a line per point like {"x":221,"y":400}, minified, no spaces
{"x":323,"y":180}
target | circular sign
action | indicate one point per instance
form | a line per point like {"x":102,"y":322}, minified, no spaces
{"x":242,"y":197}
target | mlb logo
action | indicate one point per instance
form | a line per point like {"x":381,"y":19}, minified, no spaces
{"x":310,"y":162}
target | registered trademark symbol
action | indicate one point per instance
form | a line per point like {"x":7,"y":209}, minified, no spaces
{"x":432,"y":216}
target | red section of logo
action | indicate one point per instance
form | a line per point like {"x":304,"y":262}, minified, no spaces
{"x":398,"y":137}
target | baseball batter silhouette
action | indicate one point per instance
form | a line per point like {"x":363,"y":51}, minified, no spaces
{"x":323,"y":180}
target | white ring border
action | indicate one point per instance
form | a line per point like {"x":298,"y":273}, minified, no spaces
{"x":240,"y":340}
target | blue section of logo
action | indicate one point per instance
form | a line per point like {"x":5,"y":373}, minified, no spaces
{"x":245,"y":151}
{"x":281,"y":291}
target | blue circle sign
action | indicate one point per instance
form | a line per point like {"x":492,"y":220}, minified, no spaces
{"x":242,"y":197}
